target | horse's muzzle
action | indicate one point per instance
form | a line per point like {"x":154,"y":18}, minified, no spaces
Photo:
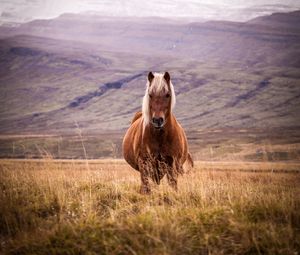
{"x":158,"y":122}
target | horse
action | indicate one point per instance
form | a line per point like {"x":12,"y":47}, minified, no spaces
{"x":155,"y":143}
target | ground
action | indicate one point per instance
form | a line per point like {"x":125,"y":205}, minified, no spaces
{"x":94,"y":207}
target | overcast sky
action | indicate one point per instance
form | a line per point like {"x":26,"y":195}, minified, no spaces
{"x":237,"y":10}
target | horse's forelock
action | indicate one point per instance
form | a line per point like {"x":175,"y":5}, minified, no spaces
{"x":157,"y":86}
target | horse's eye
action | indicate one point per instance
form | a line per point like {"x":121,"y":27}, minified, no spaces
{"x":168,"y":95}
{"x":150,"y":96}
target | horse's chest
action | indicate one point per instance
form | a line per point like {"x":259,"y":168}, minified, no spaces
{"x":159,"y":151}
{"x":159,"y":146}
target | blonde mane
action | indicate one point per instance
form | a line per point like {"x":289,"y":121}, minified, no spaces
{"x":158,"y":85}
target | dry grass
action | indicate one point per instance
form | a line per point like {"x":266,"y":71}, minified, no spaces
{"x":95,"y":208}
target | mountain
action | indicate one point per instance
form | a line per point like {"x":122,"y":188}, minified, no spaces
{"x":226,"y":74}
{"x":90,"y":72}
{"x":12,"y":12}
{"x":207,"y":41}
{"x":279,"y":21}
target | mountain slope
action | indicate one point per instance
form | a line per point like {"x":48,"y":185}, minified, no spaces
{"x":91,"y":71}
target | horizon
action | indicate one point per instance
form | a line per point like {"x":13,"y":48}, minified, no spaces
{"x":22,"y":11}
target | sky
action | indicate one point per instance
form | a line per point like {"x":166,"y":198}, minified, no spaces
{"x":235,"y":10}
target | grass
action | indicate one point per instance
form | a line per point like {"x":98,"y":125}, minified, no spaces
{"x":65,"y":207}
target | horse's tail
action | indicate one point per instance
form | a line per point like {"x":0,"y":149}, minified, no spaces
{"x":188,"y":164}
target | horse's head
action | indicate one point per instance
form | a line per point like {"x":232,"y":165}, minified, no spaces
{"x":159,"y":99}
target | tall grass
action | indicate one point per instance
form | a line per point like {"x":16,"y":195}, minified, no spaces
{"x":65,"y":208}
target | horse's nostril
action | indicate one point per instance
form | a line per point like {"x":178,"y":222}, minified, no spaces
{"x":160,"y":121}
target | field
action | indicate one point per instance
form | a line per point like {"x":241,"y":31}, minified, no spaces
{"x":93,"y":207}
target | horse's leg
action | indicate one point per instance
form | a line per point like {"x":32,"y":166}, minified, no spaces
{"x":172,"y":178}
{"x":158,"y":172}
{"x":172,"y":173}
{"x":145,"y":168}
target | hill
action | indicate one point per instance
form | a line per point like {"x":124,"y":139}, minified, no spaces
{"x":90,"y":71}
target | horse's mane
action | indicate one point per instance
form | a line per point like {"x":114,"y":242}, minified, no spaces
{"x":158,"y":84}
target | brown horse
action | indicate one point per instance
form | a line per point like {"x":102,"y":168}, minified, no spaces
{"x":155,"y":144}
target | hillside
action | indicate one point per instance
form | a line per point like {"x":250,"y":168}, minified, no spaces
{"x":90,"y":72}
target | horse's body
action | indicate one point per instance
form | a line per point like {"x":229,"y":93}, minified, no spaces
{"x":159,"y":147}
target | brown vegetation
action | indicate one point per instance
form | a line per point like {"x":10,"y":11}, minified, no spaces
{"x":93,"y":207}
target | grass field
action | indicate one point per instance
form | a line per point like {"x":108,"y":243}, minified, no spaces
{"x":93,"y":207}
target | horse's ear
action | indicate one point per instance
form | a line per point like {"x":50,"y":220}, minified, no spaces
{"x":150,"y":76}
{"x":167,"y":77}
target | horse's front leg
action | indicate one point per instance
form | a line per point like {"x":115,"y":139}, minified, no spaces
{"x":145,"y":169}
{"x":172,"y":179}
{"x":172,"y":173}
